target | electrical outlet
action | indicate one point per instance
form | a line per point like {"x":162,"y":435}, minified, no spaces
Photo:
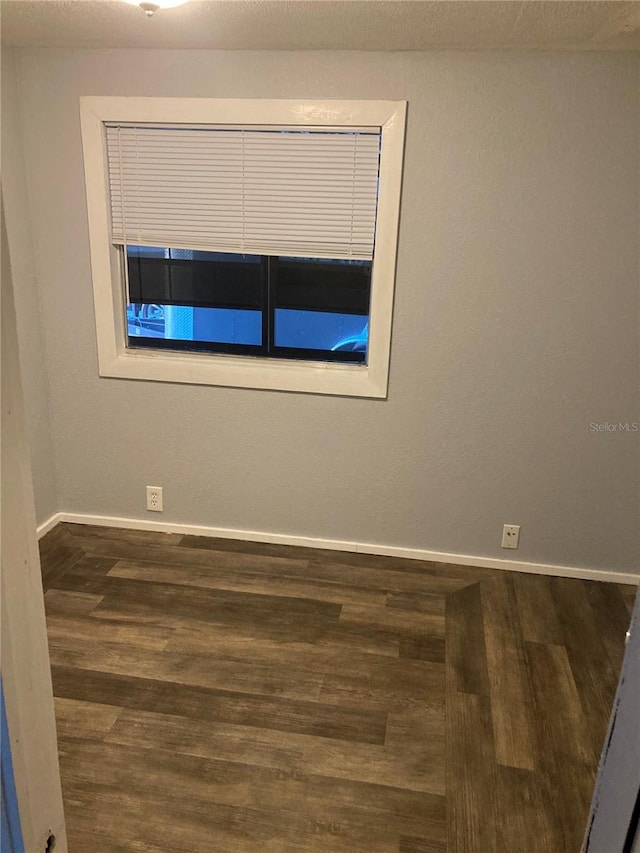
{"x":510,"y":535}
{"x":154,"y":498}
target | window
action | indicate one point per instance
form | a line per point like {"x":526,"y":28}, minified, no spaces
{"x":246,"y":243}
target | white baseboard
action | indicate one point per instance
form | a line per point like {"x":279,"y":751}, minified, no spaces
{"x":341,"y":545}
{"x":49,"y":524}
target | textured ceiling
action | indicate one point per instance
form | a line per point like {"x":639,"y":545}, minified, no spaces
{"x":328,"y":24}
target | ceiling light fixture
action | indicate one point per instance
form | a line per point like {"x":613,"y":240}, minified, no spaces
{"x":150,"y":7}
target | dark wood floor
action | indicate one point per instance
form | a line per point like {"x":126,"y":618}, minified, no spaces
{"x":216,"y":695}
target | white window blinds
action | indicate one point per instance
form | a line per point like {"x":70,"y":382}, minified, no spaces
{"x":270,"y":192}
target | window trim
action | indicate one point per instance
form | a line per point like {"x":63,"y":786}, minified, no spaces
{"x":115,"y":359}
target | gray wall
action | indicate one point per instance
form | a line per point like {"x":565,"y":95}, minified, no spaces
{"x":32,"y":355}
{"x":515,"y":325}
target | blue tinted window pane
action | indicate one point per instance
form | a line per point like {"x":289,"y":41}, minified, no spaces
{"x":227,"y":325}
{"x":183,"y":323}
{"x":189,"y":254}
{"x":321,"y":330}
{"x":146,"y":320}
{"x":147,"y":252}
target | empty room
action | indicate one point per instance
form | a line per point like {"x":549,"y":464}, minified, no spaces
{"x":320,"y":426}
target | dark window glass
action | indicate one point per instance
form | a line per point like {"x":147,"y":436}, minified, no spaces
{"x":198,"y":279}
{"x":322,"y":285}
{"x":306,"y":308}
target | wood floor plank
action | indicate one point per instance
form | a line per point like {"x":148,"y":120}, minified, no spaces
{"x":58,"y":552}
{"x":420,"y":845}
{"x":418,"y":602}
{"x":409,"y":729}
{"x":400,"y":764}
{"x":472,"y":809}
{"x":81,"y":719}
{"x":276,"y":804}
{"x":208,"y":671}
{"x":90,"y":565}
{"x":536,"y":609}
{"x":149,"y":822}
{"x":400,"y":564}
{"x":509,"y":684}
{"x":561,"y":722}
{"x":255,"y":583}
{"x":403,"y":684}
{"x":245,"y":546}
{"x":260,"y":612}
{"x":417,"y":734}
{"x":565,"y":748}
{"x":70,"y":602}
{"x":423,"y":648}
{"x":311,"y":632}
{"x":594,"y":676}
{"x":132,"y":537}
{"x":211,"y":782}
{"x":160,"y":594}
{"x":524,"y":820}
{"x":81,"y":628}
{"x":271,"y":712}
{"x":403,"y":622}
{"x":612,"y":617}
{"x":470,"y":765}
{"x":567,"y":800}
{"x":465,"y":645}
{"x":169,"y":555}
{"x":336,"y":647}
{"x":628,"y":593}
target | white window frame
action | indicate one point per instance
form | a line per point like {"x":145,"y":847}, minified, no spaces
{"x":115,"y":359}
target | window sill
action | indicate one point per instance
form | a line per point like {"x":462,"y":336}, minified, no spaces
{"x":353,"y":380}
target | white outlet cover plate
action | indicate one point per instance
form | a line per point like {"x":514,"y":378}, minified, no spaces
{"x":510,"y":535}
{"x":154,"y":499}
